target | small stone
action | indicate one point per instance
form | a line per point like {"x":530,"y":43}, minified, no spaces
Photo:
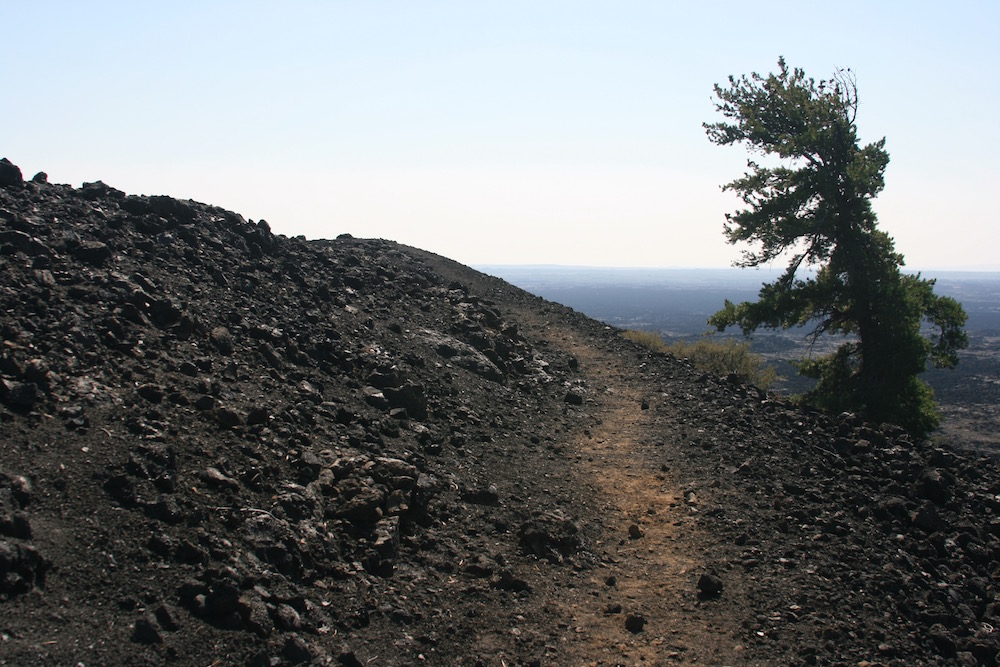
{"x":487,"y":496}
{"x":927,"y":518}
{"x":36,"y":370}
{"x":215,"y":477}
{"x":20,"y":394}
{"x":20,"y":487}
{"x":145,"y":632}
{"x":150,"y":392}
{"x":10,"y":173}
{"x":286,"y":618}
{"x":205,"y":402}
{"x":634,"y":623}
{"x":966,"y":659}
{"x":223,"y":599}
{"x":167,"y":618}
{"x":222,"y":340}
{"x":635,"y":532}
{"x":228,"y":418}
{"x":258,"y":416}
{"x":296,"y":650}
{"x":94,"y":253}
{"x":22,"y":567}
{"x":12,"y":240}
{"x":508,"y":582}
{"x":710,"y":585}
{"x":15,"y":524}
{"x":479,"y":566}
{"x":347,"y":658}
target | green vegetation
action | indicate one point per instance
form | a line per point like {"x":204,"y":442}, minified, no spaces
{"x":647,"y":339}
{"x":719,"y":357}
{"x":812,"y":207}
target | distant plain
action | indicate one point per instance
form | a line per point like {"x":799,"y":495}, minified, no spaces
{"x":676,"y":304}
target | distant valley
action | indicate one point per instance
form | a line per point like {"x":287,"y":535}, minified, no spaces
{"x":676,"y":303}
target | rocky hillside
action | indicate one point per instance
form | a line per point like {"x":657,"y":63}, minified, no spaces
{"x":222,"y":446}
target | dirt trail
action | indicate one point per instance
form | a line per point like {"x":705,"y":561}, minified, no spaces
{"x":652,"y":551}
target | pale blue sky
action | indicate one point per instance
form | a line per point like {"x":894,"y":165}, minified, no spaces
{"x":506,"y":132}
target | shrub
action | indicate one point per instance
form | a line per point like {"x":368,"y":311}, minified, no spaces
{"x":719,"y":357}
{"x":647,"y":339}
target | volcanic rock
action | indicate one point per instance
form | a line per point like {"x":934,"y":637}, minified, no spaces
{"x":223,"y":445}
{"x":10,"y":174}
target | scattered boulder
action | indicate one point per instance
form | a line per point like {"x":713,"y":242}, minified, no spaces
{"x":10,"y":174}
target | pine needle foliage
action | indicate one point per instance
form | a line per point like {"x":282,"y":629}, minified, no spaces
{"x":812,"y":207}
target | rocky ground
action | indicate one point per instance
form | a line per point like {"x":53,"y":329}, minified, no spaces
{"x":223,"y":446}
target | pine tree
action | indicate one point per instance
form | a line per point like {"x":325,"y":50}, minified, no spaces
{"x":812,"y":206}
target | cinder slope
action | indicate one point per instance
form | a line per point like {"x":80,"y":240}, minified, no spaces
{"x":223,"y":446}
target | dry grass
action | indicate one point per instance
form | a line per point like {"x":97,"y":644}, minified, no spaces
{"x":719,"y":357}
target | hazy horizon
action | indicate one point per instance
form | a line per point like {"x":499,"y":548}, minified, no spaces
{"x":774,"y":270}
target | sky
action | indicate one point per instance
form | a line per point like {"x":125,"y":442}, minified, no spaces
{"x":514,"y":132}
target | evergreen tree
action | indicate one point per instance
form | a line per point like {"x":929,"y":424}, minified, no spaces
{"x":812,"y":207}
